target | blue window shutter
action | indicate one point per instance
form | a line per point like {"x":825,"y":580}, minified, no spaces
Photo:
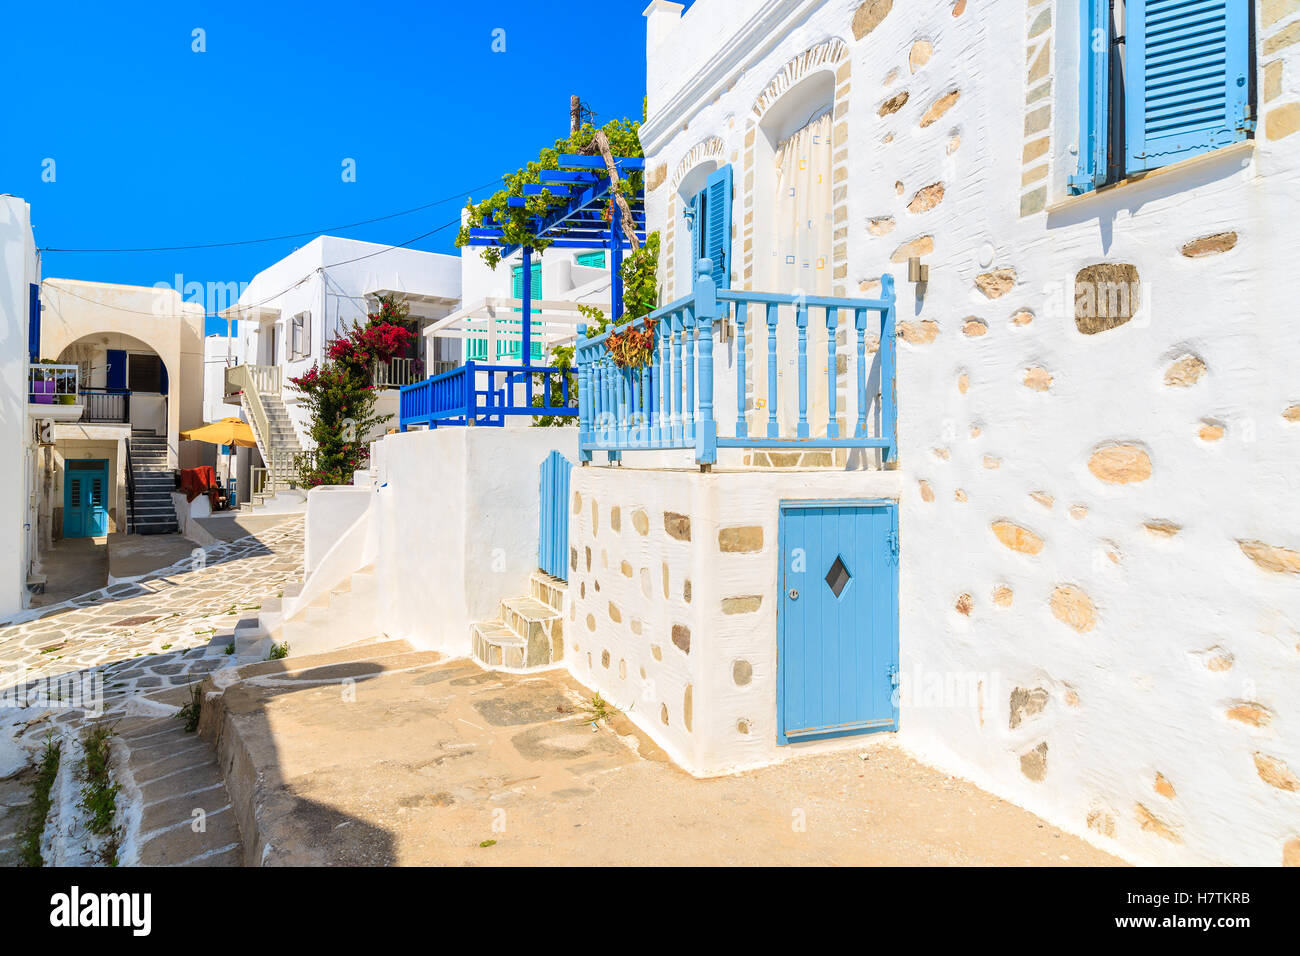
{"x":116,"y":369}
{"x":1188,"y":85}
{"x":716,"y":227}
{"x":34,"y":321}
{"x":696,"y":222}
{"x":595,"y":260}
{"x":1094,"y":99}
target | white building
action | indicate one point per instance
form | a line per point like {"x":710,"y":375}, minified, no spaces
{"x":20,"y":278}
{"x":136,"y":355}
{"x":292,"y":310}
{"x":1099,"y":571}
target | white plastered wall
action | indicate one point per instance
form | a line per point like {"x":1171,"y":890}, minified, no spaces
{"x":1169,"y":719}
{"x":19,"y":269}
{"x":456,"y":519}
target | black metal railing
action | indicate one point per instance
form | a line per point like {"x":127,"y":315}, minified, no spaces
{"x":107,"y":405}
{"x":130,"y":490}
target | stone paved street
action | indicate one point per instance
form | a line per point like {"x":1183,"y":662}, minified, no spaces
{"x":149,"y":634}
{"x":145,"y":639}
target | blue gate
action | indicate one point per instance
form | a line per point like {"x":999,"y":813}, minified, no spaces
{"x":837,"y":619}
{"x":553,"y":521}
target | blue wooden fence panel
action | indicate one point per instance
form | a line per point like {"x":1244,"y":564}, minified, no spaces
{"x":553,"y":516}
{"x":482,"y":394}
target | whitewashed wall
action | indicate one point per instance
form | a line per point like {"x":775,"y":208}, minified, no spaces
{"x":456,"y":519}
{"x":19,"y":268}
{"x":1121,"y":649}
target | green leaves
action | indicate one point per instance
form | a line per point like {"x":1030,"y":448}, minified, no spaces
{"x":516,"y":224}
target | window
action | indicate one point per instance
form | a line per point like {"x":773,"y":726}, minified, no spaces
{"x":593,"y":260}
{"x":507,"y":348}
{"x":1160,"y":81}
{"x":709,"y":216}
{"x":144,"y":373}
{"x":300,"y":335}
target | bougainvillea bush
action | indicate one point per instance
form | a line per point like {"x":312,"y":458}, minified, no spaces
{"x":339,"y":395}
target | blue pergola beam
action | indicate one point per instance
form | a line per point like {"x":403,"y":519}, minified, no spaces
{"x":621,"y":163}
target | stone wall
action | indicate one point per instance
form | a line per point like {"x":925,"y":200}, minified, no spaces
{"x":672,"y":613}
{"x":1098,"y":413}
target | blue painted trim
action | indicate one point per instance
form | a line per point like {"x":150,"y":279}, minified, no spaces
{"x":553,"y":515}
{"x":34,"y":322}
{"x":1094,"y":94}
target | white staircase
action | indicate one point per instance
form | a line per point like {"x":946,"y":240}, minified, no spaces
{"x":259,"y":388}
{"x":528,"y":632}
{"x":281,"y":442}
{"x":344,"y":615}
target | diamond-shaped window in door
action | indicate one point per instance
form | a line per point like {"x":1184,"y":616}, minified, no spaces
{"x":837,"y":578}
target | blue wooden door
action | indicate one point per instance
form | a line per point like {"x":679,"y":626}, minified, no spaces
{"x":837,"y":626}
{"x":85,"y":498}
{"x":553,"y":521}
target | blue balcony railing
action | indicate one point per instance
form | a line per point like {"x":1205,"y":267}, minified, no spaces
{"x":669,"y":404}
{"x":479,"y":394}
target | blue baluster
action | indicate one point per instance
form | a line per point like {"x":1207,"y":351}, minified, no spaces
{"x":688,"y":374}
{"x":888,"y":369}
{"x":583,"y":356}
{"x":677,"y":377}
{"x":860,"y":325}
{"x":706,"y":310}
{"x":832,"y":323}
{"x":663,"y":363}
{"x":801,"y":329}
{"x":742,"y":425}
{"x":773,"y":428}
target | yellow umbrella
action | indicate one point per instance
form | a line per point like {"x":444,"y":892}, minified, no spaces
{"x":228,"y":431}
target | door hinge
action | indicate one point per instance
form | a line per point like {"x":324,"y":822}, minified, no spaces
{"x":892,"y":673}
{"x":893,"y":543}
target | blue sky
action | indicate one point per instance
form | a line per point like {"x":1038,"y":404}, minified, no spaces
{"x":155,"y":144}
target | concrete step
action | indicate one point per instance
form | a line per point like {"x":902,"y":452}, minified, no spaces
{"x":329,"y":624}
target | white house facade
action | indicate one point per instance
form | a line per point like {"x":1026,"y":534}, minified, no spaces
{"x":289,"y":313}
{"x":20,"y":279}
{"x":1099,"y":581}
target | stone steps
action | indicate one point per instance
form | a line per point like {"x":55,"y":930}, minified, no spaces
{"x":170,"y":774}
{"x":235,"y":723}
{"x":528,"y":632}
{"x":151,"y":510}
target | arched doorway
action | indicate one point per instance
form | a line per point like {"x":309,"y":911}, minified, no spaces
{"x":122,"y":381}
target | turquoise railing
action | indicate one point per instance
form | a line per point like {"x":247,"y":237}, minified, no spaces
{"x":669,"y":403}
{"x":481,"y":394}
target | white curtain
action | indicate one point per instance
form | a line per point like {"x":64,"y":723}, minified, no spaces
{"x":798,"y":260}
